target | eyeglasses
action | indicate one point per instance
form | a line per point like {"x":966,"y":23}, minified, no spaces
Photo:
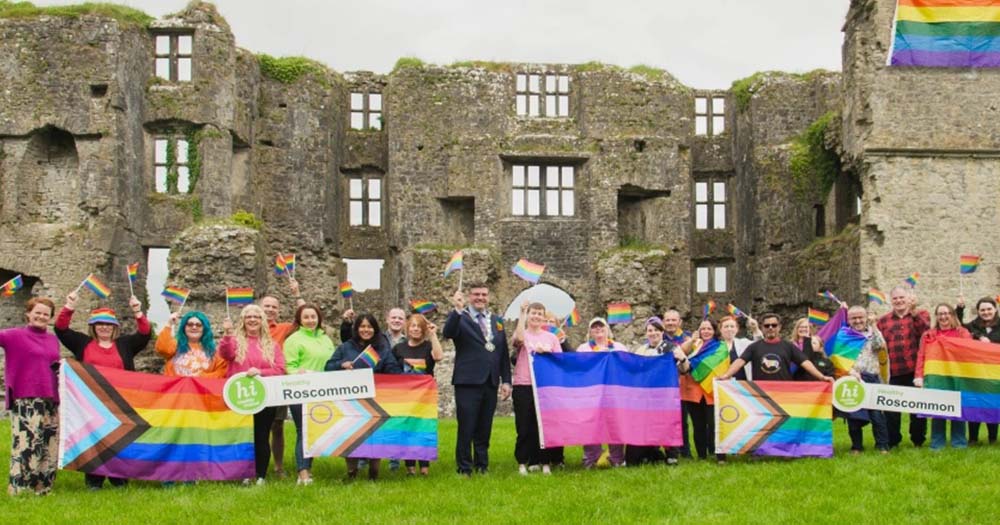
{"x":193,"y":324}
{"x":770,"y":325}
{"x":251,"y":317}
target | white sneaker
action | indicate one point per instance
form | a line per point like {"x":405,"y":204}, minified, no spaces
{"x":534,"y":468}
{"x":522,"y":470}
{"x":246,"y":482}
{"x":546,"y":470}
{"x":260,"y":481}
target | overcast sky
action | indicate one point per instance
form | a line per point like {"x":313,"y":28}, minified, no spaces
{"x":704,"y":43}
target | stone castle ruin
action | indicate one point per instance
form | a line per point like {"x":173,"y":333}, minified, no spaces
{"x":120,"y":134}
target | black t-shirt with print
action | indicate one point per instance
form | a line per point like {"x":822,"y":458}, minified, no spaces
{"x":408,"y":356}
{"x":770,"y":361}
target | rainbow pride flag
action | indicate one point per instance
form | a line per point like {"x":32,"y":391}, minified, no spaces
{"x":289,"y":263}
{"x":346,"y":289}
{"x":711,"y":361}
{"x":369,"y":356}
{"x":818,"y":317}
{"x":876,"y":296}
{"x":969,"y":366}
{"x":968,"y":263}
{"x":151,"y":427}
{"x":417,"y":365}
{"x":774,"y":418}
{"x":422,"y":307}
{"x":912,"y":279}
{"x":843,"y":349}
{"x":528,"y":270}
{"x":239,"y":296}
{"x":734,"y":311}
{"x":606,"y":397}
{"x":573,"y":319}
{"x":12,"y":285}
{"x":708,"y":309}
{"x":399,"y":422}
{"x":175,"y":294}
{"x":829,"y":295}
{"x":946,"y":33}
{"x":133,"y":272}
{"x":454,"y":264}
{"x":95,"y":285}
{"x":280,"y":266}
{"x":554,"y":330}
{"x":619,"y":313}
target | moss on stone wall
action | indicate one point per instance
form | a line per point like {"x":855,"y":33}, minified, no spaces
{"x":405,"y":62}
{"x":494,"y":67}
{"x":287,"y":70}
{"x":245,"y":218}
{"x":813,"y":162}
{"x":124,"y":15}
{"x":743,"y":89}
{"x":651,"y":73}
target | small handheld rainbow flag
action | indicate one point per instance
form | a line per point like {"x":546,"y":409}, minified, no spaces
{"x":279,"y":265}
{"x":573,"y":319}
{"x":829,"y":295}
{"x":554,"y":330}
{"x":708,"y":309}
{"x":733,"y":310}
{"x":289,"y":263}
{"x":818,"y":317}
{"x":346,"y":289}
{"x":454,"y":264}
{"x":528,"y":270}
{"x":175,"y":294}
{"x":422,"y":307}
{"x":133,"y":272}
{"x":239,"y":296}
{"x":912,"y":279}
{"x":12,"y":285}
{"x":711,"y":361}
{"x":369,"y":356}
{"x":876,"y":296}
{"x":95,"y":285}
{"x":619,"y":313}
{"x":968,"y":263}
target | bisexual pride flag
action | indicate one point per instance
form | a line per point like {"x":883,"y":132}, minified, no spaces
{"x":148,"y":426}
{"x":774,"y":418}
{"x":606,"y":397}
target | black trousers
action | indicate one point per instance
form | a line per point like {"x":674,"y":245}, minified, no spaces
{"x":527,"y":448}
{"x":636,"y":455}
{"x":262,"y":422}
{"x":894,"y":420}
{"x":991,"y":432}
{"x":474,"y":409}
{"x":703,"y":427}
{"x":685,"y":449}
{"x":95,"y":481}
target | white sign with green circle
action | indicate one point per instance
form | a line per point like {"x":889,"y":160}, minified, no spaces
{"x":245,"y":394}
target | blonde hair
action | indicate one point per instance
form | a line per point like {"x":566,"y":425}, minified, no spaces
{"x":266,"y":346}
{"x":795,"y":328}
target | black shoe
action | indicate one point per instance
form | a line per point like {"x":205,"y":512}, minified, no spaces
{"x":482,"y":471}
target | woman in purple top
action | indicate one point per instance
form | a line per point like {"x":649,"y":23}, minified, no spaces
{"x":31,"y":355}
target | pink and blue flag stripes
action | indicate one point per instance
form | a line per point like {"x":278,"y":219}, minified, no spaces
{"x":606,"y":397}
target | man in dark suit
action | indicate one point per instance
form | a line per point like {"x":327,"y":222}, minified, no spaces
{"x":482,"y":365}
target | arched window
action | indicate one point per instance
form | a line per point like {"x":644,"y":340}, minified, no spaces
{"x":555,"y":300}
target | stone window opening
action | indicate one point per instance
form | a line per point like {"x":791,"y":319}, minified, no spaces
{"x":156,"y":279}
{"x":819,"y":219}
{"x":171,"y":168}
{"x":365,"y":201}
{"x":709,"y":116}
{"x":366,"y":111}
{"x":547,"y":190}
{"x":538,"y":94}
{"x":173,"y":56}
{"x":365,"y":274}
{"x":711,"y":278}
{"x":710,"y":205}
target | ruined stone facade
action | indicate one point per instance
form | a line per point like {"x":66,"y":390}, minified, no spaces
{"x":85,"y":124}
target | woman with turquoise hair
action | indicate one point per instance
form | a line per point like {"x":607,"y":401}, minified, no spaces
{"x":191,"y":352}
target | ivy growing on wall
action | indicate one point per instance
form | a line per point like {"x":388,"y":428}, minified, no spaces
{"x":814,"y":162}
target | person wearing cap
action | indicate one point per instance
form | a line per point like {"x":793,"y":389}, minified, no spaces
{"x":601,"y":341}
{"x":103,"y":346}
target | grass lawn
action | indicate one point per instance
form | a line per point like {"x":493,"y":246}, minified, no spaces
{"x":909,"y":485}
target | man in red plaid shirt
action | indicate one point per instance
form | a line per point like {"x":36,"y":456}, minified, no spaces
{"x":902,"y":329}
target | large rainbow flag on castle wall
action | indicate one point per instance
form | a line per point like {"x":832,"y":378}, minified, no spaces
{"x":774,"y":418}
{"x":606,"y":397}
{"x":399,"y":422}
{"x":971,"y":366}
{"x":145,"y":426}
{"x":946,"y":33}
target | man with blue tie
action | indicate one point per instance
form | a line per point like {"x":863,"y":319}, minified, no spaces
{"x":482,"y":365}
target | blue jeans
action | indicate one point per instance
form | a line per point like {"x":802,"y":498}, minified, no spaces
{"x":301,"y":461}
{"x":958,"y":436}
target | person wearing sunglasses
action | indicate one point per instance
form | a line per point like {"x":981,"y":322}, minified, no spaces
{"x":188,"y":347}
{"x":771,"y":357}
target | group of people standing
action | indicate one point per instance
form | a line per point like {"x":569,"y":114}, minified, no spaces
{"x":485,"y":369}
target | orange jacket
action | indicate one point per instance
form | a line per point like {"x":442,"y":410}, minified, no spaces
{"x":166,"y":346}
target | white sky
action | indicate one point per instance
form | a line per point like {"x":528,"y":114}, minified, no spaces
{"x":704,"y":43}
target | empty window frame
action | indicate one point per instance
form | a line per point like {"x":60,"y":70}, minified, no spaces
{"x":366,"y":110}
{"x":711,"y":278}
{"x":365,"y":206}
{"x":542,"y":190}
{"x":171,"y":173}
{"x":709,"y":115}
{"x":173,"y":56}
{"x":710,"y":205}
{"x":538,"y":94}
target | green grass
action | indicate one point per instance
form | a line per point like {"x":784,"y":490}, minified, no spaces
{"x":124,"y":14}
{"x":907,"y":485}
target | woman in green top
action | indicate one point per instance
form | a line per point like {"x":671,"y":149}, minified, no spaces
{"x":307,"y":349}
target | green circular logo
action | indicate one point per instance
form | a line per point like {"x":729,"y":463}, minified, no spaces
{"x":848,"y":394}
{"x":244,"y":394}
